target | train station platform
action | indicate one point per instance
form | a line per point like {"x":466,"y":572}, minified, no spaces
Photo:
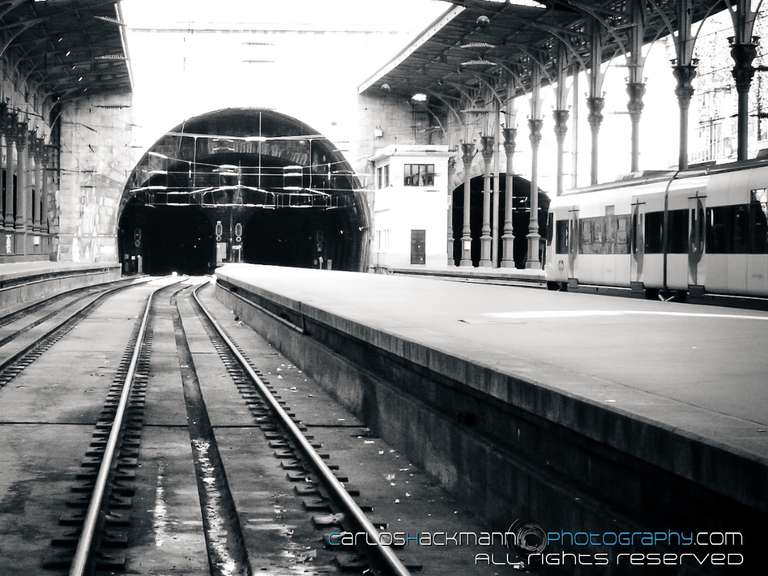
{"x":547,"y":399}
{"x":25,"y":282}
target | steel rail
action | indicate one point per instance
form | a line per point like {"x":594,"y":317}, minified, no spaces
{"x":10,"y":315}
{"x":386,"y":555}
{"x":80,"y":562}
{"x":4,"y":364}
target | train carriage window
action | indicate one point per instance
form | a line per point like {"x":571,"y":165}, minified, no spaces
{"x":654,"y":232}
{"x":718,"y":230}
{"x":741,"y":229}
{"x":759,"y":221}
{"x":728,"y":229}
{"x":562,"y":240}
{"x":622,"y":234}
{"x":678,"y":231}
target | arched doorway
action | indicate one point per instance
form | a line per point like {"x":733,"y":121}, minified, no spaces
{"x":242,"y":185}
{"x":520,"y":217}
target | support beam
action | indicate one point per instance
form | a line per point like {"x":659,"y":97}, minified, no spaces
{"x":467,"y":155}
{"x":534,"y":125}
{"x":635,"y":82}
{"x":496,"y":192}
{"x":743,"y":52}
{"x":560,"y":113}
{"x":684,"y":74}
{"x":449,"y":209}
{"x":485,"y":234}
{"x":595,"y":100}
{"x":8,"y":166}
{"x":684,"y":69}
{"x":508,"y":237}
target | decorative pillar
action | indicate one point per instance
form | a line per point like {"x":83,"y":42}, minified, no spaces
{"x":508,"y":237}
{"x":21,"y":173}
{"x":496,"y":193}
{"x":635,"y":84}
{"x":684,"y":69}
{"x":38,"y":211}
{"x":743,"y":54}
{"x":534,"y":125}
{"x":532,"y":261}
{"x":467,"y":155}
{"x":561,"y":129}
{"x":595,"y":118}
{"x":9,"y":128}
{"x":45,"y":221}
{"x":595,"y":100}
{"x":636,"y":91}
{"x":29,"y":179}
{"x":485,"y":234}
{"x":684,"y":74}
{"x":451,"y":172}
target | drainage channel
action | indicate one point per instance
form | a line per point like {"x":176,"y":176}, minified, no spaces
{"x":223,"y":535}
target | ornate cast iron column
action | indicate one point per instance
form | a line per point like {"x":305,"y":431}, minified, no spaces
{"x":561,"y":129}
{"x":636,"y":91}
{"x":508,"y":237}
{"x":595,"y":119}
{"x":467,"y":155}
{"x":532,"y":261}
{"x":485,"y":234}
{"x":743,"y":55}
{"x":449,"y":209}
{"x":684,"y":74}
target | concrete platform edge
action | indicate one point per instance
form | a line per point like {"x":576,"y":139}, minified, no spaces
{"x":722,"y":469}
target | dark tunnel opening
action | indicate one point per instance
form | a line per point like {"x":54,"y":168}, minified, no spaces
{"x":242,"y":186}
{"x":521,"y":190}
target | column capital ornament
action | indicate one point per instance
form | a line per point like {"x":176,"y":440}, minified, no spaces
{"x":487,"y":147}
{"x":21,"y":135}
{"x":49,"y":153}
{"x":467,"y":152}
{"x":561,"y":122}
{"x":10,"y":123}
{"x":510,"y":134}
{"x":684,"y":74}
{"x":595,"y":105}
{"x":535,"y":125}
{"x":743,"y":55}
{"x":38,"y":148}
{"x":636,"y":91}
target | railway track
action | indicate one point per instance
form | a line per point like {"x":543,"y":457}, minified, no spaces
{"x":31,"y":330}
{"x":193,"y":460}
{"x":94,"y":535}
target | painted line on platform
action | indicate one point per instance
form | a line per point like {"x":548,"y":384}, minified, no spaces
{"x":564,"y":314}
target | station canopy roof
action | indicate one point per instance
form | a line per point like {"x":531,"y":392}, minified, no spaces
{"x":492,"y":40}
{"x":68,"y":47}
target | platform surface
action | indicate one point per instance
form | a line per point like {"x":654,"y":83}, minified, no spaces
{"x":16,"y":270}
{"x":698,"y":370}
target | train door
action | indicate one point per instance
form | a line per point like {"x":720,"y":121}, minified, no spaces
{"x":573,"y":245}
{"x":697,"y":239}
{"x":637,"y":241}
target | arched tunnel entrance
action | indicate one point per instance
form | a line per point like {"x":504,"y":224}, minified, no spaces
{"x":242,"y":186}
{"x":520,"y":217}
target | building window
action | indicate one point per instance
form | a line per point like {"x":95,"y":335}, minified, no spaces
{"x":386,"y":176}
{"x":419,"y":175}
{"x":378,"y":178}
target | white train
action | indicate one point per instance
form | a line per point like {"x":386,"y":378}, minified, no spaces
{"x":691,"y":233}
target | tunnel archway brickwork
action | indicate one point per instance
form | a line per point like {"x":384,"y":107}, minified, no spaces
{"x":242,"y":185}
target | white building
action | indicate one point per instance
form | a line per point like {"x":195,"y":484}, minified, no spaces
{"x":410,"y":222}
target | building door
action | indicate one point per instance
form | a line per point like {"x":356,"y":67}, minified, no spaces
{"x":418,"y":247}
